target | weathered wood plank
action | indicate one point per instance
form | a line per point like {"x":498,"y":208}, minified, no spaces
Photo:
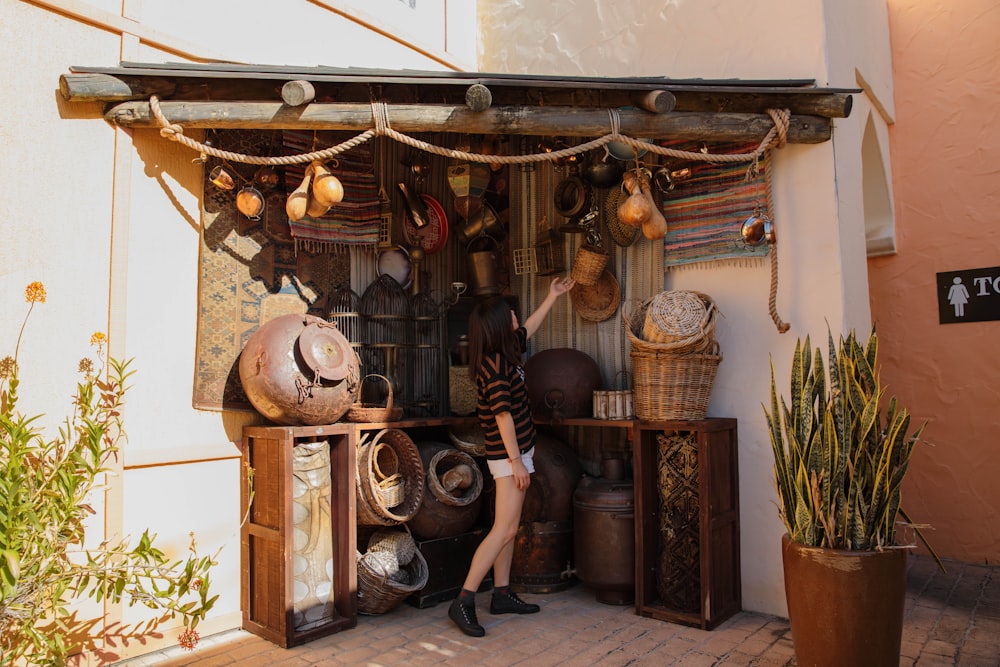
{"x":539,"y":121}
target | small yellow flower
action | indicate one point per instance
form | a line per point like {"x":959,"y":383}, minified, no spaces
{"x":98,"y":339}
{"x":34,"y":292}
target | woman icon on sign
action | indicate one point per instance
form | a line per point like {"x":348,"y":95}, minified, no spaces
{"x":958,"y":296}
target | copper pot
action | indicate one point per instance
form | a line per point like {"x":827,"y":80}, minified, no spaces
{"x":300,"y":370}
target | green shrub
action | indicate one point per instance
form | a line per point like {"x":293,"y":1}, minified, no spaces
{"x":44,"y":487}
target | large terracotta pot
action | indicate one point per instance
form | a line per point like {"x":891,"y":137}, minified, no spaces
{"x":845,"y":607}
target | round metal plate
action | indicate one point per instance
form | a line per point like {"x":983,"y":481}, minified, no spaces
{"x":325,"y":350}
{"x":433,"y":236}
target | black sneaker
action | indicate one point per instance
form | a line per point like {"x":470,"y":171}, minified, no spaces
{"x":509,"y":603}
{"x":464,"y":617}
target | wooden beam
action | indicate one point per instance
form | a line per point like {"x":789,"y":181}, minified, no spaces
{"x":250,"y":87}
{"x":414,"y":118}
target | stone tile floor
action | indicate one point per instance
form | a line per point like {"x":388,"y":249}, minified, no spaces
{"x":952,"y":618}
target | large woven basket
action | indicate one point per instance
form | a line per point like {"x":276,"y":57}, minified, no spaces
{"x":384,"y":580}
{"x":390,"y":482}
{"x":634,"y":318}
{"x":461,"y":391}
{"x":680,"y":316}
{"x":669,"y":385}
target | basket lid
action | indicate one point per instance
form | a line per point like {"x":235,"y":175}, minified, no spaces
{"x":325,"y":350}
{"x":597,"y":302}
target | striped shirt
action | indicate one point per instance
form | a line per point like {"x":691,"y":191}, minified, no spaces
{"x":500,"y":388}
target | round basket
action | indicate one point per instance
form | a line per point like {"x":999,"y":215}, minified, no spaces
{"x":380,"y":588}
{"x":454,"y":478}
{"x":679,"y":315}
{"x":468,"y":438}
{"x":368,"y":413}
{"x":669,"y":385}
{"x":597,"y":302}
{"x":377,"y":502}
{"x":633,"y":319}
{"x":588,"y":264}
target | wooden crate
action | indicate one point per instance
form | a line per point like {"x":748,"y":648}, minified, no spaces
{"x":715,"y":584}
{"x":266,"y":548}
{"x":448,"y":560}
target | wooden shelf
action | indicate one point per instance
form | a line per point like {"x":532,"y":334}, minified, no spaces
{"x":714,"y":584}
{"x":266,"y":536}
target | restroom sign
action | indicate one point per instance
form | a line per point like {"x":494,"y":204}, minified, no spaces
{"x":972,"y":295}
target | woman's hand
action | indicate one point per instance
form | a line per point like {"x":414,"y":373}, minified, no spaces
{"x":522,"y":478}
{"x":561,"y":285}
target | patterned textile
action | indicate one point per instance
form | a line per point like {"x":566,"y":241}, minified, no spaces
{"x":250,"y":273}
{"x":705,"y":211}
{"x":353,"y":221}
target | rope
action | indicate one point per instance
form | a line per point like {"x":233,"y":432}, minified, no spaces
{"x":775,"y":138}
{"x":773,"y":252}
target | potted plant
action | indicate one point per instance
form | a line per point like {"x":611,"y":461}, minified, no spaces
{"x":840,"y":454}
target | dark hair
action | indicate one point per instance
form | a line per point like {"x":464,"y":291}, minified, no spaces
{"x":491,"y":332}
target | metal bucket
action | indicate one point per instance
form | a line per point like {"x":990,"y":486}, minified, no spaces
{"x":482,"y":264}
{"x":543,"y":557}
{"x":604,"y":542}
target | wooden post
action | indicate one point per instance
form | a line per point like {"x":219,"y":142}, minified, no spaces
{"x":296,"y":93}
{"x":655,"y":101}
{"x":478,"y":97}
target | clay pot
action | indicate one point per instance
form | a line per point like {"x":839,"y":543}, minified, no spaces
{"x":561,"y":383}
{"x":453,"y":496}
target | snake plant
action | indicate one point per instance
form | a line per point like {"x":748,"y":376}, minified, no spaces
{"x":840,"y":450}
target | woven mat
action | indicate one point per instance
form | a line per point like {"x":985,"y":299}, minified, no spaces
{"x":249,"y":273}
{"x":706,"y":211}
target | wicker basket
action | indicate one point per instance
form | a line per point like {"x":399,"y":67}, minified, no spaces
{"x":468,"y":438}
{"x":589,"y":263}
{"x":461,"y":391}
{"x":382,"y":588}
{"x":669,"y":385}
{"x":377,"y":502}
{"x":368,"y":413}
{"x":634,"y":319}
{"x":597,"y":302}
{"x":679,"y":315}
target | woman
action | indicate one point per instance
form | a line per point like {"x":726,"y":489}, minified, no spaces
{"x":496,"y":345}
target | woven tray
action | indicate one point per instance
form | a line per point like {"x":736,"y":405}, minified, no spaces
{"x":597,"y":302}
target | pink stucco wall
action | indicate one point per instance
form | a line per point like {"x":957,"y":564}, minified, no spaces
{"x":946,"y":178}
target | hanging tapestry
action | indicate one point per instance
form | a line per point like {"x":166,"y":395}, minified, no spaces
{"x":353,"y":221}
{"x":249,"y":271}
{"x":707,"y":205}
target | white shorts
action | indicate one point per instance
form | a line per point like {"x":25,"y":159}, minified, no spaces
{"x":503,"y":468}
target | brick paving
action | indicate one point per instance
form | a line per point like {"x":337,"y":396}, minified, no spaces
{"x":951,"y":618}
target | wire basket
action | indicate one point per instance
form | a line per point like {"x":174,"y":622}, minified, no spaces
{"x":369,"y":413}
{"x":668,"y":385}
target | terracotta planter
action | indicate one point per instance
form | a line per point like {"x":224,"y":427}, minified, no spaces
{"x":845,"y":607}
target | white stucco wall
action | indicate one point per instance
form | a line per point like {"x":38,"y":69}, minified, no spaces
{"x":109,"y":221}
{"x":81,"y":196}
{"x":818,"y":207}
